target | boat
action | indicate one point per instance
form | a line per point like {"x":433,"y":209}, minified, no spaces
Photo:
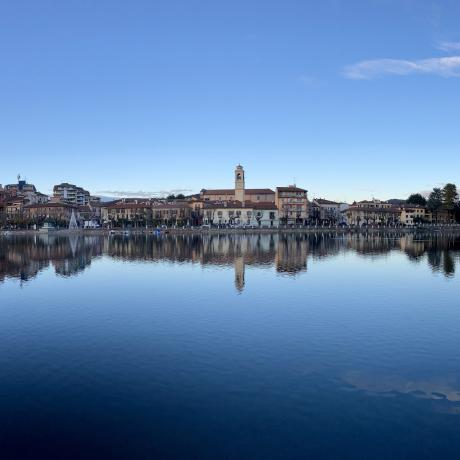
{"x":47,"y":228}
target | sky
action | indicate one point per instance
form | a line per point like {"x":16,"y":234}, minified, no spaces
{"x":349,"y":99}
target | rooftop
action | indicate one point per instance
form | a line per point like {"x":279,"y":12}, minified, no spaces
{"x":231,"y":191}
{"x":323,"y":201}
{"x":290,"y":188}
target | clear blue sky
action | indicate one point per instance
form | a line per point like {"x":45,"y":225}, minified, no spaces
{"x":351,"y":98}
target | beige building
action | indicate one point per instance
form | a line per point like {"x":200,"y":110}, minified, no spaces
{"x":127,"y":213}
{"x":374,"y":203}
{"x":171,"y":213}
{"x":292,"y":204}
{"x":373,"y":212}
{"x":53,"y":211}
{"x":14,"y":208}
{"x":411,"y":214}
{"x":240,"y":192}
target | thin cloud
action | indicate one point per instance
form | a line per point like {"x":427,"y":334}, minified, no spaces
{"x":309,"y":81}
{"x":449,"y":47}
{"x":365,"y":70}
{"x":142,"y":193}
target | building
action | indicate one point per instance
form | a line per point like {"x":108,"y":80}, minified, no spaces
{"x":20,"y":189}
{"x":374,"y":203}
{"x":238,"y":214}
{"x":412,"y":214}
{"x":26,"y":191}
{"x":70,"y":193}
{"x":441,"y":216}
{"x":14,"y":208}
{"x":58,"y":212}
{"x":373,"y":212}
{"x":240,"y":192}
{"x":292,"y":204}
{"x":122,"y":213}
{"x":172,"y":213}
{"x":326,"y":211}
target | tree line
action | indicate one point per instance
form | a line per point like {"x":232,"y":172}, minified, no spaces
{"x":445,"y":198}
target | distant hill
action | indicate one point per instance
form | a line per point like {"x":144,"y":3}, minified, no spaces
{"x":105,"y":199}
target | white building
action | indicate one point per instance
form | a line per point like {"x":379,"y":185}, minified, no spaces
{"x":238,"y":214}
{"x":70,"y":193}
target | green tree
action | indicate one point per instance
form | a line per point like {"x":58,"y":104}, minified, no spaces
{"x":181,"y":196}
{"x":434,"y":202}
{"x":449,"y":196}
{"x":417,"y":199}
{"x":171,"y":197}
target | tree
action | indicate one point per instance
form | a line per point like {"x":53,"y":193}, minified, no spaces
{"x":449,"y":196}
{"x":434,"y":202}
{"x":417,"y":199}
{"x":171,"y":197}
{"x":457,"y":212}
{"x":180,"y":196}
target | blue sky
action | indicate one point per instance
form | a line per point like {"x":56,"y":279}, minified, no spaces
{"x":352,"y":99}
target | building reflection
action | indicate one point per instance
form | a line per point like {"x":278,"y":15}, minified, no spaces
{"x":24,"y":257}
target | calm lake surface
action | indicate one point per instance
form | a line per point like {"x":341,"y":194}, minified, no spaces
{"x":230,"y":347}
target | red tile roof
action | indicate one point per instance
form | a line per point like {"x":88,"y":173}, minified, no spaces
{"x":323,"y":201}
{"x":290,"y":189}
{"x":51,"y":204}
{"x":231,"y":191}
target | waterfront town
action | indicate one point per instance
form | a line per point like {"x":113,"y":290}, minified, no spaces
{"x":22,"y":206}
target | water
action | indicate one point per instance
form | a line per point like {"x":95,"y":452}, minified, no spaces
{"x":235,"y":347}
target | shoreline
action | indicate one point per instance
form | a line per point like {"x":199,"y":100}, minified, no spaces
{"x":242,"y":231}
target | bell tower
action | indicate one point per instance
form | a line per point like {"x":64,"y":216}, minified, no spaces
{"x":239,"y":183}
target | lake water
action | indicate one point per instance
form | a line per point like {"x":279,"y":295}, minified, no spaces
{"x":230,"y":347}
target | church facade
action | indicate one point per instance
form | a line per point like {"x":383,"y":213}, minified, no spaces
{"x":239,"y":192}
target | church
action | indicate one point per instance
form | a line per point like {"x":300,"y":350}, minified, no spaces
{"x":240,"y":192}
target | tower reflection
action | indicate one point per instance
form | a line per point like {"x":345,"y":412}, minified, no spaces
{"x":24,"y":257}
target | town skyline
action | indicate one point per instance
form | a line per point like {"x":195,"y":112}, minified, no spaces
{"x":107,"y":195}
{"x":349,"y":100}
{"x":23,"y":206}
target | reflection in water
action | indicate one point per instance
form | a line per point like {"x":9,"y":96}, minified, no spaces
{"x":25,"y":257}
{"x":126,"y":359}
{"x":389,"y":384}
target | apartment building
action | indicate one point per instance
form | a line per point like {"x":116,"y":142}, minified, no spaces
{"x":292,"y":204}
{"x":411,"y":214}
{"x":373,"y":212}
{"x":326,"y":211}
{"x":70,"y":193}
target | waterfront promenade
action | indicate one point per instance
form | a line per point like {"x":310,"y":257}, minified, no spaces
{"x":424,"y":229}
